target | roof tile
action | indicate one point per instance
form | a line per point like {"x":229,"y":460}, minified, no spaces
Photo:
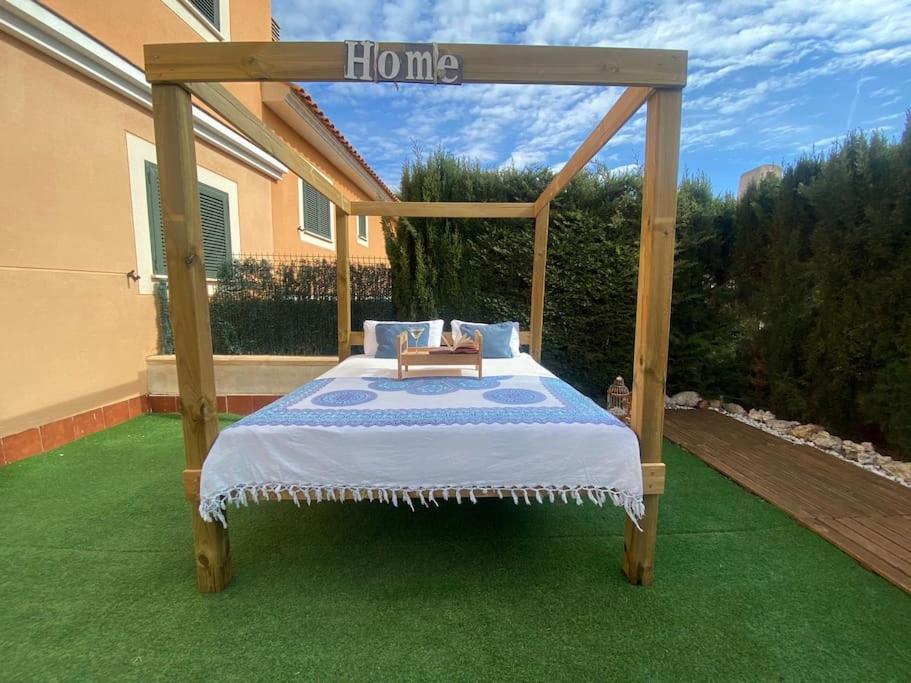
{"x":307,"y":99}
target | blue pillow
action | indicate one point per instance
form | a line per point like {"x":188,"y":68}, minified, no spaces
{"x":497,"y":337}
{"x":387,"y":337}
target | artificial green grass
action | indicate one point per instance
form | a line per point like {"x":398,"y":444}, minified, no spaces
{"x":97,"y":582}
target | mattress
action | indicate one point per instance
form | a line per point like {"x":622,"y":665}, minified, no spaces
{"x":358,"y":433}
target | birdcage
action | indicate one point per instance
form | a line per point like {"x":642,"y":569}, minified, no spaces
{"x":618,"y":399}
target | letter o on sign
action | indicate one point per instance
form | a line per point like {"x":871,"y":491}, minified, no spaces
{"x":388,"y":65}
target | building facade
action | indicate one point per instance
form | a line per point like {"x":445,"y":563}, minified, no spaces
{"x":756,"y":175}
{"x":80,"y":235}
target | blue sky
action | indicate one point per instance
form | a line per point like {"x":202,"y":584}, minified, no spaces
{"x":768,"y":81}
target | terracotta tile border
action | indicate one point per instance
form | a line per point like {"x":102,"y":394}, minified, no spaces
{"x":58,"y":433}
{"x":239,"y":404}
{"x":21,"y":445}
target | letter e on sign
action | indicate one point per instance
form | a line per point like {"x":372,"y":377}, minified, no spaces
{"x":449,"y":70}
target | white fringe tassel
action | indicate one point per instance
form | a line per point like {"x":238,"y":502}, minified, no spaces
{"x":212,"y":508}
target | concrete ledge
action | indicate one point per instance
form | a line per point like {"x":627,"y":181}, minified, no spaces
{"x":243,"y":375}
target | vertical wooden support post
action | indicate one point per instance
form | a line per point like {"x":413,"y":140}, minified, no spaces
{"x":653,"y":312}
{"x":542,"y":219}
{"x":189,"y":305}
{"x":343,"y":288}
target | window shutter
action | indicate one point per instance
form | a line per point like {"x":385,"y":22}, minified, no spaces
{"x":216,"y":228}
{"x":209,"y":9}
{"x":317,"y":220}
{"x":362,"y":227}
{"x":216,"y":225}
{"x":156,"y":224}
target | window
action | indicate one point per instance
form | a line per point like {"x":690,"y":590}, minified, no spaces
{"x":362,"y":228}
{"x":208,"y":9}
{"x":210,"y":19}
{"x":216,"y":225}
{"x":316,"y":213}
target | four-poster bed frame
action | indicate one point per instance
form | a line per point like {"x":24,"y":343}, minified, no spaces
{"x":653,"y":77}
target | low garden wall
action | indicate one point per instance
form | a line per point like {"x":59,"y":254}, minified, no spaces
{"x":243,"y":375}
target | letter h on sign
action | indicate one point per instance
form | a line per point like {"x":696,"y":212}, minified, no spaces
{"x":364,"y":60}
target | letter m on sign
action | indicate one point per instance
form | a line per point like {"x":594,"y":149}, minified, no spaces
{"x":419,"y":64}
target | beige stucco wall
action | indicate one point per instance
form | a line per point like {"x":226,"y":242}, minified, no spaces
{"x":126,"y":25}
{"x":286,"y":215}
{"x":239,"y":375}
{"x":75,"y":332}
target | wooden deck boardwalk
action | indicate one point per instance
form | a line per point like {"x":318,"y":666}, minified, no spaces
{"x":867,"y":516}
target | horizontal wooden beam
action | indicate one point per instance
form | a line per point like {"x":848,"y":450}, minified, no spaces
{"x":652,"y":481}
{"x":315,"y":61}
{"x":236,"y":114}
{"x":614,"y":120}
{"x":357,"y":338}
{"x":444,"y":209}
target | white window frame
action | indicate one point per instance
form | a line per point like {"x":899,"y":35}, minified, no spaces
{"x":310,"y":237}
{"x":200,"y":23}
{"x":139,"y":151}
{"x":366,"y":239}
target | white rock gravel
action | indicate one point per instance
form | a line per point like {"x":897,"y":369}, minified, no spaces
{"x":861,"y":454}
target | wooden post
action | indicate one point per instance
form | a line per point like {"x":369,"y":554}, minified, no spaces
{"x":174,"y":143}
{"x":537,"y":281}
{"x":343,"y":288}
{"x":653,"y":312}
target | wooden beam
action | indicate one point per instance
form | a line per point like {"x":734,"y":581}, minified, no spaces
{"x":653,"y":312}
{"x":315,"y":61}
{"x":189,"y":310}
{"x":343,"y":292}
{"x":235,"y":113}
{"x":537,"y":281}
{"x":614,"y":120}
{"x":444,"y":209}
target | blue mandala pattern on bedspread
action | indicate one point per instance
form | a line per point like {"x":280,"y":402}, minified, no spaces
{"x":427,"y":386}
{"x":504,"y":399}
{"x":344,"y":397}
{"x":515,"y":397}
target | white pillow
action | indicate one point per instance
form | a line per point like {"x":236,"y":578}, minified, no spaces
{"x":370,"y":344}
{"x":513,"y":342}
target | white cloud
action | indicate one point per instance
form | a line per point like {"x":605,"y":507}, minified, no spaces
{"x":625,"y":169}
{"x":751,"y":64}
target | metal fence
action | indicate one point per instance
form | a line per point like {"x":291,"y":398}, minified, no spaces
{"x":279,"y":304}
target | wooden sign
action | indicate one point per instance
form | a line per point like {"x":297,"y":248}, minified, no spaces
{"x":366,"y":60}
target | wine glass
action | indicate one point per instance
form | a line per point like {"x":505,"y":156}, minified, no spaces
{"x":416,"y":333}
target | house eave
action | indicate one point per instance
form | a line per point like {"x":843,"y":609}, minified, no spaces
{"x":285,"y":103}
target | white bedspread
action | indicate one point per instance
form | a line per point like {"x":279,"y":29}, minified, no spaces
{"x":357,"y":431}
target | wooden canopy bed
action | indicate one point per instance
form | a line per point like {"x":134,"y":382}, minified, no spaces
{"x":179,"y":72}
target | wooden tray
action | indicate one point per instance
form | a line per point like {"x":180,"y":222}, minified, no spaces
{"x":408,"y":357}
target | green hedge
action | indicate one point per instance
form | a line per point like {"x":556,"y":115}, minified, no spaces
{"x":822,"y":263}
{"x":794,"y":298}
{"x":479,"y":268}
{"x":287,"y":306}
